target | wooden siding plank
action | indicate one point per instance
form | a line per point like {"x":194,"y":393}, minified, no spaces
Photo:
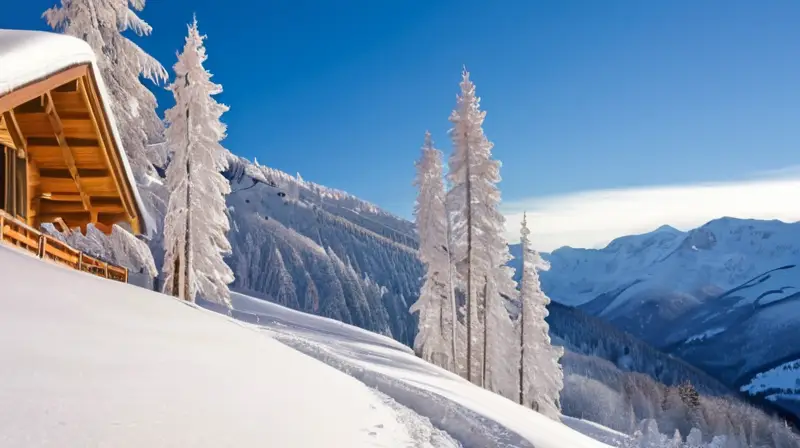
{"x":49,"y":157}
{"x":55,"y":207}
{"x":100,"y":186}
{"x":38,"y":125}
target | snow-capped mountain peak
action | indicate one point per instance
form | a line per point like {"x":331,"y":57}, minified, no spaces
{"x":721,"y":296}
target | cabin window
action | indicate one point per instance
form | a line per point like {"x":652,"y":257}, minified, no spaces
{"x":20,"y":185}
{"x":13,"y":182}
{"x":3,"y":177}
{"x":8,"y":180}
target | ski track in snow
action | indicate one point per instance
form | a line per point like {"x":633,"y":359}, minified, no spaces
{"x":472,"y":416}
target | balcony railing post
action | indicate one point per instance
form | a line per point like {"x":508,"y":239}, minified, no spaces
{"x":42,"y":245}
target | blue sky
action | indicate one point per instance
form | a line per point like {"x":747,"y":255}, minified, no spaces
{"x":581,"y":96}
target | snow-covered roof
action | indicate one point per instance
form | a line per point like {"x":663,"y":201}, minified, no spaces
{"x":27,"y":57}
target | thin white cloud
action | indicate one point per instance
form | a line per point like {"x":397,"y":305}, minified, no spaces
{"x":594,"y":218}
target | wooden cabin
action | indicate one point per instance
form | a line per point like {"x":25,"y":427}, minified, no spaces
{"x":61,"y":158}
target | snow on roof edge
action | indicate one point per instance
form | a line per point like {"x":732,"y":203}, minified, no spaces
{"x":28,"y":56}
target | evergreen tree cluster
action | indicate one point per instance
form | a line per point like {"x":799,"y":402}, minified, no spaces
{"x":463,"y":305}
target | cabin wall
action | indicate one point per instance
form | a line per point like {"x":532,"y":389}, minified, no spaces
{"x":34,"y":193}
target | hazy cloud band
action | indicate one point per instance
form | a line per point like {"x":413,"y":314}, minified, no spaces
{"x":593,"y":218}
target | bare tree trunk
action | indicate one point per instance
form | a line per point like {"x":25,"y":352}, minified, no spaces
{"x":176,"y":274}
{"x":442,"y":300}
{"x":485,"y":327}
{"x":186,"y":264}
{"x":454,"y":325}
{"x":470,"y":300}
{"x":522,"y":333}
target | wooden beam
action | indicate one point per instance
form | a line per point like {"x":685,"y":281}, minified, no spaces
{"x":103,"y":227}
{"x":33,"y":192}
{"x":38,"y":88}
{"x":61,"y":225}
{"x":58,"y":208}
{"x":58,"y":129}
{"x":13,"y":129}
{"x":90,"y":186}
{"x":56,"y":173}
{"x":62,"y":197}
{"x":74,"y":219}
{"x":44,"y":142}
{"x":114,"y":154}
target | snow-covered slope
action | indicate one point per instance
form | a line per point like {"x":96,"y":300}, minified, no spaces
{"x":723,"y":296}
{"x":473,"y":416}
{"x":321,"y":250}
{"x":90,"y":362}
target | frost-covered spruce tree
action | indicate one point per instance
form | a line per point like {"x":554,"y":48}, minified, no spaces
{"x":196,"y":222}
{"x":541,"y":377}
{"x":102,"y":24}
{"x":279,"y":282}
{"x":434,"y":341}
{"x":478,"y":247}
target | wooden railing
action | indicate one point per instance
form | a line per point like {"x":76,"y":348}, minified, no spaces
{"x":16,"y":233}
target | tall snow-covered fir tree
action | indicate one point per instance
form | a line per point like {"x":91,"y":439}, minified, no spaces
{"x":196,"y":221}
{"x":541,"y":377}
{"x":102,"y":24}
{"x":479,"y":249}
{"x":434,"y":341}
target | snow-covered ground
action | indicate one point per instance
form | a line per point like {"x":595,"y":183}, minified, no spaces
{"x":473,"y":416}
{"x":91,"y":362}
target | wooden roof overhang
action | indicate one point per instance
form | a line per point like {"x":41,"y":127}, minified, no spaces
{"x":76,"y":167}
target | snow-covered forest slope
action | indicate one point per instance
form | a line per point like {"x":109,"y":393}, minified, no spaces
{"x":723,"y":297}
{"x":321,"y":250}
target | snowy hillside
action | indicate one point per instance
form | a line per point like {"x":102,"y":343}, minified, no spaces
{"x":92,"y":362}
{"x":723,"y":296}
{"x":322,"y":250}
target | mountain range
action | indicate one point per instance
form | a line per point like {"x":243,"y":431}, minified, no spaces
{"x":723,"y":297}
